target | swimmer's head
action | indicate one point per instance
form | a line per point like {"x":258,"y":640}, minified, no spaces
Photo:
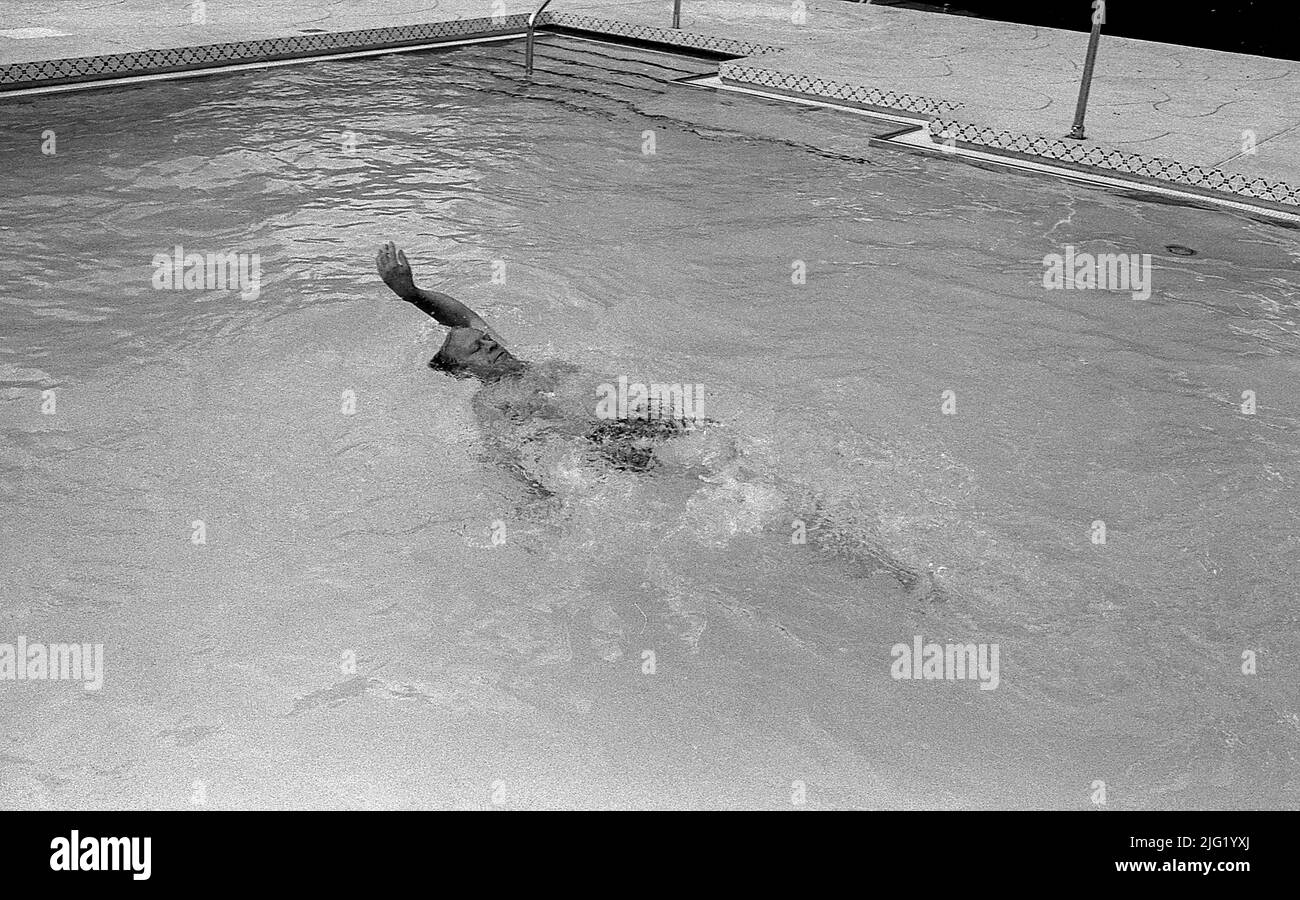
{"x":471,"y":352}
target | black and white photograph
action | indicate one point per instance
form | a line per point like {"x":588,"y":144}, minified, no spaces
{"x":678,"y":406}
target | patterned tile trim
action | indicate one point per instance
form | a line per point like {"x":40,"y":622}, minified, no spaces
{"x":14,"y":76}
{"x":672,"y":36}
{"x":1117,"y":161}
{"x":833,"y":90}
{"x":148,"y":62}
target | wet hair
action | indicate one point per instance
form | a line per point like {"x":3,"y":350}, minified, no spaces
{"x":444,"y":362}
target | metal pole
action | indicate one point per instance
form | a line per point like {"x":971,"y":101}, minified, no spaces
{"x":528,"y":45}
{"x":677,"y":13}
{"x":1084,"y":86}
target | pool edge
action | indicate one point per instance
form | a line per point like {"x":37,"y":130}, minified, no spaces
{"x":22,"y":78}
{"x":1015,"y":149}
{"x":1276,"y":199}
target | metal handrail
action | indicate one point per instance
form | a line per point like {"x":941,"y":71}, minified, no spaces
{"x":1085,"y":85}
{"x":532,"y":27}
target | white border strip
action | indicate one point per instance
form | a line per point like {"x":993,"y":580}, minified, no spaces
{"x":921,"y":139}
{"x":716,"y":82}
{"x":241,"y":67}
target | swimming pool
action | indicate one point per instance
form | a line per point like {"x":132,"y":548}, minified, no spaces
{"x":351,"y":635}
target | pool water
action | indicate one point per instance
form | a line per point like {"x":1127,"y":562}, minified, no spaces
{"x":408,"y":597}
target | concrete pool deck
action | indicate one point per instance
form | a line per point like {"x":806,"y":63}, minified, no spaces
{"x":1221,"y":121}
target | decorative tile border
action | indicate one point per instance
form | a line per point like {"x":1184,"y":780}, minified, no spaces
{"x":16,"y":76}
{"x":40,"y":73}
{"x":1071,"y":153}
{"x":1082,"y":155}
{"x":785,"y":82}
{"x":150,"y":62}
{"x":673,"y":36}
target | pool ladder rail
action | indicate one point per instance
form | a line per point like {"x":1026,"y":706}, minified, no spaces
{"x":536,"y":14}
{"x":532,"y":28}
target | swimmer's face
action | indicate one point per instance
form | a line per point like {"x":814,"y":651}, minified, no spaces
{"x":476,"y":352}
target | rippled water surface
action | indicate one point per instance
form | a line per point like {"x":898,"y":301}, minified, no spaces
{"x":351,"y":634}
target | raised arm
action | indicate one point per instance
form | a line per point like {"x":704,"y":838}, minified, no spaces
{"x":449,"y":311}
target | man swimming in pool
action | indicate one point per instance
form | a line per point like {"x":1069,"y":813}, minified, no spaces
{"x":527,"y":414}
{"x":471,"y":347}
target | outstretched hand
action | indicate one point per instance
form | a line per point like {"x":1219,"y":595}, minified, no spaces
{"x":395,"y":270}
